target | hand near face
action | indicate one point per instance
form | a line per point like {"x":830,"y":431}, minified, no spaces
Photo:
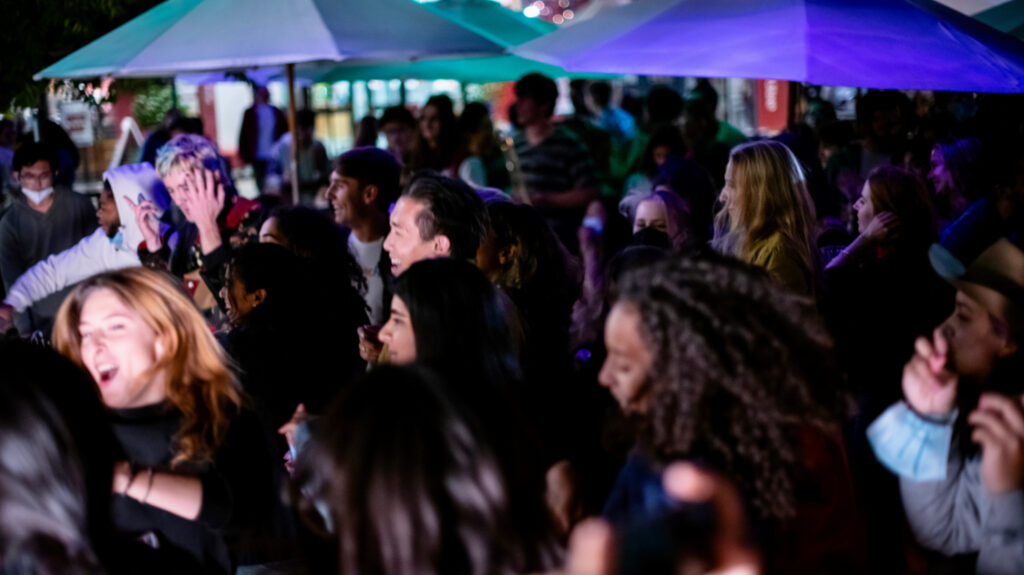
{"x":289,"y":431}
{"x":205,"y":196}
{"x":998,"y":426}
{"x":592,"y":546}
{"x":928,"y":386}
{"x":883,"y":228}
{"x":149,"y":223}
{"x":370,"y":345}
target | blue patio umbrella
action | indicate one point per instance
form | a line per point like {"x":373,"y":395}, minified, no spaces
{"x":900,"y":44}
{"x":181,"y":36}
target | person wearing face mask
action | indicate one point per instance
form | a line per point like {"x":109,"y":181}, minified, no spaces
{"x":193,"y":477}
{"x":956,"y":439}
{"x":114,"y":245}
{"x":662,"y":210}
{"x":42,"y":221}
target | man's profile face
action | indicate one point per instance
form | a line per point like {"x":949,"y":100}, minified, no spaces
{"x":344,"y":195}
{"x":404,"y":244}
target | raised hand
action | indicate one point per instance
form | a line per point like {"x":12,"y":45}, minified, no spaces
{"x":884,"y":227}
{"x":289,"y":431}
{"x":370,"y":345}
{"x":149,"y":223}
{"x":206,"y":199}
{"x":592,"y":546}
{"x":206,"y":195}
{"x":998,"y":424}
{"x":928,"y":386}
{"x":733,"y":554}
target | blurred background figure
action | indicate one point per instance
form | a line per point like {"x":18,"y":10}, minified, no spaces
{"x":262,"y":125}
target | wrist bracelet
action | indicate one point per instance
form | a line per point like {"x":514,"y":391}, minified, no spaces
{"x":149,"y":484}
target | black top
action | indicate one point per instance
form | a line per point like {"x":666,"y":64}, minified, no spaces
{"x":237,"y":489}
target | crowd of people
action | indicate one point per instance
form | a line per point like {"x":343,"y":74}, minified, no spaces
{"x":631,"y":342}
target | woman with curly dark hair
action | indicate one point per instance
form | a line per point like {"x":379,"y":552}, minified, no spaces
{"x":720,"y":365}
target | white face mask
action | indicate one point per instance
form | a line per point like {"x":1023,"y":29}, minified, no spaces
{"x":37,"y":197}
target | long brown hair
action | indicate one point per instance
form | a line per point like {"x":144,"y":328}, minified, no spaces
{"x":200,"y":383}
{"x":770,"y":197}
{"x":904,"y":194}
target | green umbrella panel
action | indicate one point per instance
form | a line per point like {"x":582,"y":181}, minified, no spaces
{"x":1008,"y":17}
{"x":486,"y":18}
{"x":468,"y":70}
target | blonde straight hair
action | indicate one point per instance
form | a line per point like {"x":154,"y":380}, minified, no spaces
{"x":200,"y":383}
{"x":768,"y":197}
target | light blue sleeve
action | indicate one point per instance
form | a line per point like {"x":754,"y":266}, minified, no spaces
{"x":911,"y":446}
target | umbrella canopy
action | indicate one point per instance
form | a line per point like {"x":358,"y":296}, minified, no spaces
{"x":258,"y":76}
{"x":200,"y":35}
{"x":479,"y":70}
{"x":489,"y":19}
{"x":1008,"y":17}
{"x":900,"y":44}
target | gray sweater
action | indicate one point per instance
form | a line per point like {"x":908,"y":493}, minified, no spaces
{"x":28,"y":236}
{"x":958,"y":515}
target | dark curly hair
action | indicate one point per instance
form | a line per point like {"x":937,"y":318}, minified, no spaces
{"x":741,"y":368}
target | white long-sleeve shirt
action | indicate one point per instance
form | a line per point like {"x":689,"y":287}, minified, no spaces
{"x":94,"y":254}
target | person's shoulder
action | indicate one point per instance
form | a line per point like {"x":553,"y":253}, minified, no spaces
{"x":16,"y":210}
{"x":71,"y":198}
{"x":563,"y":134}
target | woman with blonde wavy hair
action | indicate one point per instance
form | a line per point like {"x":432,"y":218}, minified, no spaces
{"x":194,"y":468}
{"x":767,"y":217}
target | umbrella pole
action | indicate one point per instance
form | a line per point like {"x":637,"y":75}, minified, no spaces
{"x":295,"y":138}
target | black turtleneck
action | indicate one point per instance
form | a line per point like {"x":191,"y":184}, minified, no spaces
{"x":237,"y":489}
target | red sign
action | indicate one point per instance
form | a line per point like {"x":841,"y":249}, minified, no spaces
{"x":772,"y":106}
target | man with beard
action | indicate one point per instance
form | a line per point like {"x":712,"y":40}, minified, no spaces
{"x":957,"y":440}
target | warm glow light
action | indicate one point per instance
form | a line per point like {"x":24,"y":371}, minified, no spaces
{"x":531,"y":11}
{"x":557,"y":19}
{"x":568,"y":14}
{"x":563,"y":3}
